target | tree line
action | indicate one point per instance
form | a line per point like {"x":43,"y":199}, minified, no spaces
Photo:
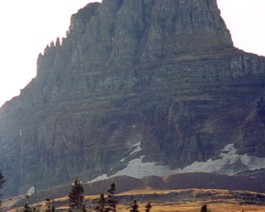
{"x":76,"y":196}
{"x":105,"y":203}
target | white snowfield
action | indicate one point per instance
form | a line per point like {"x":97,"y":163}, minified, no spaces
{"x":138,"y":148}
{"x":31,"y":191}
{"x":228,"y":163}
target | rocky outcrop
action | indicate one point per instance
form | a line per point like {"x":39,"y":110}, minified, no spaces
{"x":162,"y":76}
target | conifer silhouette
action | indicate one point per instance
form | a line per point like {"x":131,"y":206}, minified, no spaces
{"x":26,"y":206}
{"x":204,"y":208}
{"x":2,"y":181}
{"x":111,"y":201}
{"x":134,"y":207}
{"x":148,"y":207}
{"x":76,"y":197}
{"x":101,"y":203}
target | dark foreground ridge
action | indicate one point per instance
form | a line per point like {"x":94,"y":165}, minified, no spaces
{"x":181,"y":188}
{"x":179,"y":181}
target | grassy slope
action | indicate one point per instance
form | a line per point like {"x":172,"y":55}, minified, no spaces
{"x":187,"y":200}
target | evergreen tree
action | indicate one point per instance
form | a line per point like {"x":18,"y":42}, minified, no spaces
{"x":26,"y":206}
{"x":101,"y":203}
{"x":134,"y":207}
{"x":204,"y":208}
{"x":148,"y":207}
{"x":76,"y":197}
{"x":2,"y":181}
{"x":111,"y":201}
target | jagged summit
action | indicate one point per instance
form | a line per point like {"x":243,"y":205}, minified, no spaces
{"x":143,"y":31}
{"x":140,"y":87}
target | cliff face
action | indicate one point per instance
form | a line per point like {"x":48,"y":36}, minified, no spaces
{"x":154,"y":80}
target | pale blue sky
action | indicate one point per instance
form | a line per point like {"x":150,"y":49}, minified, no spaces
{"x":28,"y":26}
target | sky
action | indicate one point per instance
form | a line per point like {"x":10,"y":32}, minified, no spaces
{"x":28,"y":26}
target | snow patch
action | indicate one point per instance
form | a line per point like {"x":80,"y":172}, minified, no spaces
{"x":31,"y":191}
{"x":123,"y":159}
{"x":137,"y":149}
{"x":136,"y":168}
{"x":228,"y":163}
{"x":101,"y":177}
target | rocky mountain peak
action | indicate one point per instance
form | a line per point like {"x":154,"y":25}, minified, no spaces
{"x":142,"y":31}
{"x":148,"y":30}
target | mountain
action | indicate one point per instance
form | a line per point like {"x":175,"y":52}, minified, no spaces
{"x":143,"y":87}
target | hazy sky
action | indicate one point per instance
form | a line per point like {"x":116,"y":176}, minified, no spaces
{"x":28,"y":26}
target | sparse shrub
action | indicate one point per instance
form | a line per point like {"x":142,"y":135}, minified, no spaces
{"x":26,"y":206}
{"x":101,"y":203}
{"x":148,"y":207}
{"x":204,"y":208}
{"x":134,"y":207}
{"x":49,"y":205}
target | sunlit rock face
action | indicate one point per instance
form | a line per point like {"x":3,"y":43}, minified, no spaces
{"x":158,"y":75}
